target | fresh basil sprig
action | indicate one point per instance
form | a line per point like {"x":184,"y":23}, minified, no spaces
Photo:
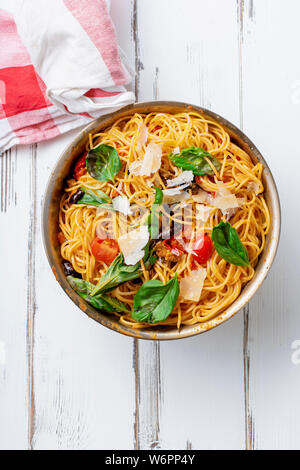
{"x":103,"y":163}
{"x":154,"y":301}
{"x":193,"y":158}
{"x":228,"y":244}
{"x":101,"y":302}
{"x":153,"y":219}
{"x":90,"y":197}
{"x":118,"y":272}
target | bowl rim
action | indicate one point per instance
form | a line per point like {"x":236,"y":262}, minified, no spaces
{"x":248,"y":290}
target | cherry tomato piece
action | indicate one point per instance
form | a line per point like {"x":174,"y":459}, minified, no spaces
{"x":174,"y":246}
{"x":105,"y":250}
{"x":80,"y":167}
{"x":202,"y":249}
{"x":61,"y":238}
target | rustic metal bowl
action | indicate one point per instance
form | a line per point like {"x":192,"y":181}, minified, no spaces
{"x":51,"y":208}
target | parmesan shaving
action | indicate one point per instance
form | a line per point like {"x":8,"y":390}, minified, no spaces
{"x":203,"y":212}
{"x":229,"y":213}
{"x":121,"y":204}
{"x":150,"y":163}
{"x":135,"y":168}
{"x":225,"y":200}
{"x":253,"y":187}
{"x":175,"y":191}
{"x":174,"y":195}
{"x":183,"y":196}
{"x":132,"y":243}
{"x":232,"y":210}
{"x":202,"y":196}
{"x":142,"y":138}
{"x":191,"y":286}
{"x":184,"y":177}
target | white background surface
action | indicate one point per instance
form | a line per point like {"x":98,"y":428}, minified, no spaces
{"x":67,"y":382}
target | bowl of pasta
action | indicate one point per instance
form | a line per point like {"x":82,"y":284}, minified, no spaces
{"x":161,"y":220}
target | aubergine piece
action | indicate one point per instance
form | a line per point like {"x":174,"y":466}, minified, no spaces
{"x":69,"y":270}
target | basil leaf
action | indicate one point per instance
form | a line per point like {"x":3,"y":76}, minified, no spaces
{"x":150,"y":260}
{"x":153,"y":219}
{"x":159,"y":195}
{"x":118,"y":273}
{"x":101,"y":302}
{"x":150,"y":256}
{"x":228,"y":244}
{"x":93,"y":197}
{"x":193,"y":158}
{"x":155,"y":301}
{"x":103,"y":163}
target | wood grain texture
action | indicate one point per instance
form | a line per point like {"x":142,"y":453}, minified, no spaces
{"x":246,"y":310}
{"x":84,"y":387}
{"x":15,"y":219}
{"x":83,"y":380}
{"x":31,"y":290}
{"x":146,"y":354}
{"x":271,"y":74}
{"x":68,"y":383}
{"x":202,"y":378}
{"x":148,"y":394}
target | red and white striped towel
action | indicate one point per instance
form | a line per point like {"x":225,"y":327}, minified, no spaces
{"x":59,"y":68}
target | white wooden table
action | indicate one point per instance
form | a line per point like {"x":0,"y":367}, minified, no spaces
{"x":68,"y":383}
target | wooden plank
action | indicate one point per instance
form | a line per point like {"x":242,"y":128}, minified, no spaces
{"x":146,"y":354}
{"x":190,"y":53}
{"x":31,"y":291}
{"x":15,"y":220}
{"x":83,"y":379}
{"x":84,"y":387}
{"x":148,"y":394}
{"x":246,"y":309}
{"x":122,"y":13}
{"x":271,"y":118}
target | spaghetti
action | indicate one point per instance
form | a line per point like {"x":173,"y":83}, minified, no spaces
{"x":238,"y":175}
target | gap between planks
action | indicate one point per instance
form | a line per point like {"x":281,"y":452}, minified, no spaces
{"x":249,"y":424}
{"x":31,"y":294}
{"x":8,"y":195}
